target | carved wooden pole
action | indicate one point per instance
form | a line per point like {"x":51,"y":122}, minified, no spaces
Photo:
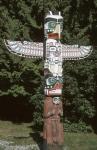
{"x":53,"y":133}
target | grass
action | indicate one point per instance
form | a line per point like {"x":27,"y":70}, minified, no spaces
{"x":17,"y":133}
{"x":81,"y":141}
{"x":23,"y":134}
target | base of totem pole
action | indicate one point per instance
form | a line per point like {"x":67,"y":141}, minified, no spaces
{"x":52,"y":147}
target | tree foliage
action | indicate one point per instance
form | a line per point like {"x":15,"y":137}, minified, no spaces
{"x":20,"y":77}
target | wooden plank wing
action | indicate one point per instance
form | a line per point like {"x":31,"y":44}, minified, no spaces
{"x":73,"y":52}
{"x":25,"y":49}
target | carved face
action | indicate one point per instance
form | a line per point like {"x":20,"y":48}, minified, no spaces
{"x":52,"y":22}
{"x":56,"y":100}
{"x":53,"y":25}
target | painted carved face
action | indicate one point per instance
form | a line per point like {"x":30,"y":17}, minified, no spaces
{"x":53,"y":26}
{"x":56,"y":100}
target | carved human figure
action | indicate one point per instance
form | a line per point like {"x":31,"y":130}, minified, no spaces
{"x":53,"y":128}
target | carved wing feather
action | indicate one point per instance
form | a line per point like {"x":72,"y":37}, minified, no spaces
{"x":75,"y":52}
{"x":25,"y":49}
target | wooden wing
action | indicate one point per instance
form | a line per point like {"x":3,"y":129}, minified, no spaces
{"x":74,"y":52}
{"x":25,"y":49}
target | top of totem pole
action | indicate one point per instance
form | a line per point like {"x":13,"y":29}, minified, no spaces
{"x":53,"y":26}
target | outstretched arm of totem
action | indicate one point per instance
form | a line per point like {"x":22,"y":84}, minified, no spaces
{"x":25,"y":48}
{"x":74,"y":52}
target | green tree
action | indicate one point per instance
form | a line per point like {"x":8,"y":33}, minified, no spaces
{"x":20,"y":77}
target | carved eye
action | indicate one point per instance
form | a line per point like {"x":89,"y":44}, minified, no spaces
{"x":52,"y":24}
{"x":51,"y":81}
{"x":56,"y":100}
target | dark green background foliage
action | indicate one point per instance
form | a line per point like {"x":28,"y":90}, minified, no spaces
{"x":21,"y":86}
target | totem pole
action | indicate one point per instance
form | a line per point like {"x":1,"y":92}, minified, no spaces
{"x":54,"y":53}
